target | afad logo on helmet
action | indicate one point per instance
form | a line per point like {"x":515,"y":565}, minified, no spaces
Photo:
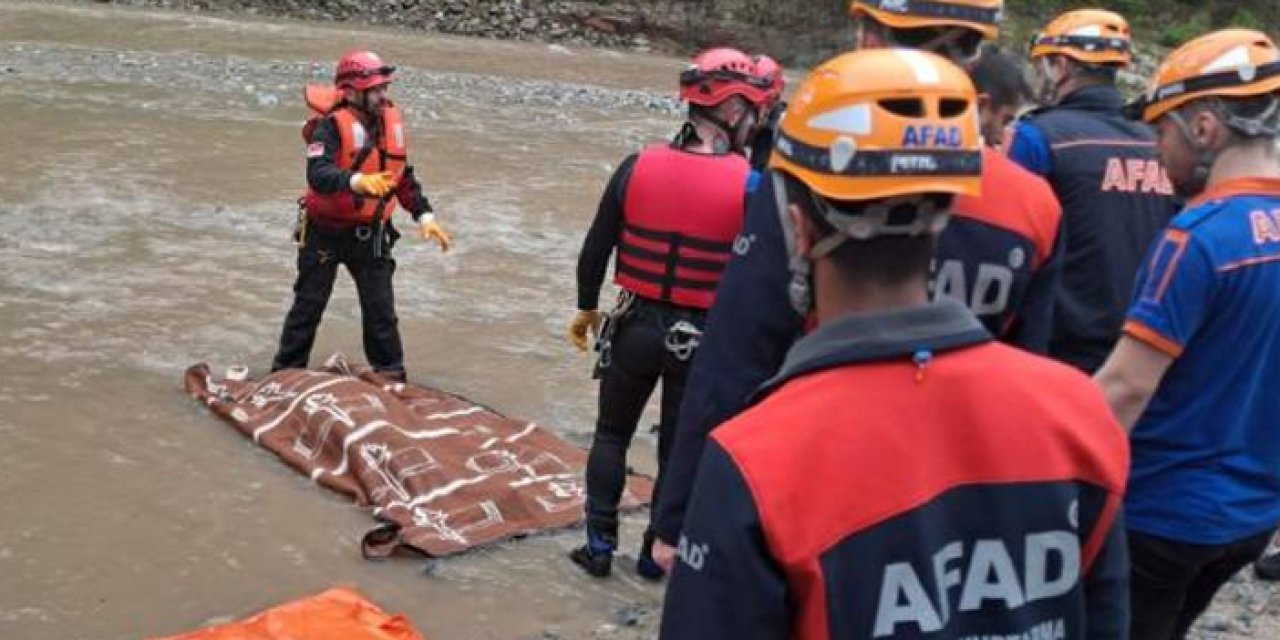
{"x":931,"y":135}
{"x":857,"y":120}
{"x":859,"y":125}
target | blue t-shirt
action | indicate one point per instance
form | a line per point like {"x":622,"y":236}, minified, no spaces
{"x":1028,"y":147}
{"x":1206,"y":452}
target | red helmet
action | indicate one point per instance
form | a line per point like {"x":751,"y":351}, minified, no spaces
{"x":361,"y":70}
{"x":718,"y":74}
{"x":770,"y":70}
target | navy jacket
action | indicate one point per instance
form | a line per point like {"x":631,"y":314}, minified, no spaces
{"x":1116,"y":198}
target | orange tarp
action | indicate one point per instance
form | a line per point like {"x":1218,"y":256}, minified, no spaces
{"x":336,"y":614}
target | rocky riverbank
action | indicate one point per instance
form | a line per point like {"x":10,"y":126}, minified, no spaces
{"x":798,"y":38}
{"x":615,"y":25}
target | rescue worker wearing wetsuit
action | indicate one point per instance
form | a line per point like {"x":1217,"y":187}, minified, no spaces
{"x":672,"y":212}
{"x":998,"y":256}
{"x":1115,"y":195}
{"x":884,"y":486}
{"x":357,"y":172}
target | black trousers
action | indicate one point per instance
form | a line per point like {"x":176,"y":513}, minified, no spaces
{"x":639,"y":359}
{"x":318,"y":261}
{"x":1173,"y":582}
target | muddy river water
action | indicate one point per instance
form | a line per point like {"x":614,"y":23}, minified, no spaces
{"x":151,"y":164}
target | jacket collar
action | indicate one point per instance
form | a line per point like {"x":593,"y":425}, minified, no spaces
{"x":1103,"y":97}
{"x":916,"y":332}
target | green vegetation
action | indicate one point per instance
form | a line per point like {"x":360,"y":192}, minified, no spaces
{"x":1168,"y":23}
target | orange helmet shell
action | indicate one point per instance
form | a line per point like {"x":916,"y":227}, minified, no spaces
{"x":1231,"y":62}
{"x":982,"y":16}
{"x":1094,"y":36}
{"x":881,"y":123}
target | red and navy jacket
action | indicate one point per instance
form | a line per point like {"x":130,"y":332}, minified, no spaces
{"x":914,"y":487}
{"x":1116,"y":198}
{"x":999,"y":254}
{"x":673,"y":216}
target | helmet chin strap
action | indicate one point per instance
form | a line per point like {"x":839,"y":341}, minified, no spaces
{"x":1049,"y":84}
{"x":1255,"y":127}
{"x":362,"y":103}
{"x":736,"y":143}
{"x":800,"y":288}
{"x":1205,"y":157}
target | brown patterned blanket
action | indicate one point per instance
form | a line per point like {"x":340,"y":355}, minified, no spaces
{"x":442,"y":474}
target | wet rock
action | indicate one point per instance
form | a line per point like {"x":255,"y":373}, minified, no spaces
{"x":629,"y":616}
{"x":1214,"y":622}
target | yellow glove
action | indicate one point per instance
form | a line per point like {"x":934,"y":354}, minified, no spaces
{"x":373,"y":184}
{"x":582,"y":322}
{"x":432,"y":231}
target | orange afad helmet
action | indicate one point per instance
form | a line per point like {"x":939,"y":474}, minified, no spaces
{"x":982,"y":16}
{"x":1093,"y":36}
{"x":882,"y":123}
{"x":1231,"y":63}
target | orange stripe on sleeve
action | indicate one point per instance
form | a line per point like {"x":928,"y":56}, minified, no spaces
{"x":1178,"y":238}
{"x":1152,"y":338}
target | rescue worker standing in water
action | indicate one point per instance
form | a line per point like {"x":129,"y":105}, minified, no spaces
{"x":672,"y":212}
{"x":356,"y":173}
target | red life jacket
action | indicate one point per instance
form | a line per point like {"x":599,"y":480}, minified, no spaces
{"x":681,"y":214}
{"x":357,"y":153}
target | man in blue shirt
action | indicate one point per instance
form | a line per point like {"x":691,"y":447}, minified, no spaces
{"x":1195,"y":373}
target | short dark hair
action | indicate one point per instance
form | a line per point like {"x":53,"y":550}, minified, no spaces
{"x":890,"y":260}
{"x":998,"y":75}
